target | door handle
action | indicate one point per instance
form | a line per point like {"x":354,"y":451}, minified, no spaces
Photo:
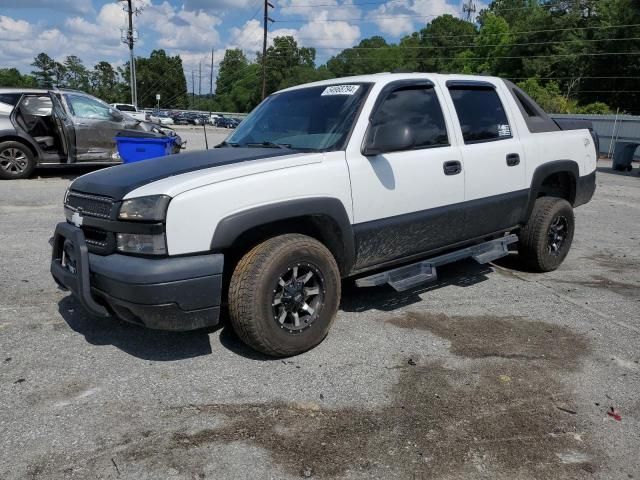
{"x":452,"y":167}
{"x":513,"y":159}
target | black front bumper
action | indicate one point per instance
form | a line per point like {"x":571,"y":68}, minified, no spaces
{"x":181,"y":293}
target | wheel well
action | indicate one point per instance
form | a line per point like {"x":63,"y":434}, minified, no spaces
{"x":321,"y":227}
{"x":559,"y":184}
{"x":15,"y":138}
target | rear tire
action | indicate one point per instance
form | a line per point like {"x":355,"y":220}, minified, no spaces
{"x":545,"y":240}
{"x":16,"y":161}
{"x":284,"y":295}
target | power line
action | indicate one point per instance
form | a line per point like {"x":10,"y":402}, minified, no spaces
{"x":471,"y":45}
{"x":585,"y":54}
{"x":526,"y":32}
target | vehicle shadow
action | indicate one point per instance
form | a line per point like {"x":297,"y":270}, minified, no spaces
{"x":632,"y":173}
{"x":67,"y":172}
{"x":460,"y":274}
{"x":157,"y":345}
{"x":135,"y":340}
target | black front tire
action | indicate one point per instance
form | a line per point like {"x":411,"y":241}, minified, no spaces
{"x":253,"y":288}
{"x":545,"y":240}
{"x":16,"y":161}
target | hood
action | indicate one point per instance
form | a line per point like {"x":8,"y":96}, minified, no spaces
{"x":117,"y":182}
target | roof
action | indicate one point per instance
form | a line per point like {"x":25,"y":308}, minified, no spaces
{"x":37,"y":90}
{"x":387,"y":77}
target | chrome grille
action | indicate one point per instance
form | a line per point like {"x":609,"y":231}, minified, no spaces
{"x":91,"y":205}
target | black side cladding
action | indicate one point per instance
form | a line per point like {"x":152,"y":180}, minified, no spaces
{"x":116,"y":182}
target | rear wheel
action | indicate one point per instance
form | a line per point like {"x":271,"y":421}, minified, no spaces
{"x":16,"y":160}
{"x":284,"y":295}
{"x":545,"y":240}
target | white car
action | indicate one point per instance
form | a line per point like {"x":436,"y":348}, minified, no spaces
{"x":162,"y":120}
{"x":380,"y":177}
{"x":132,"y":111}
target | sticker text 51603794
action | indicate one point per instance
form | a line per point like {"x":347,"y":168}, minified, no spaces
{"x":341,"y":90}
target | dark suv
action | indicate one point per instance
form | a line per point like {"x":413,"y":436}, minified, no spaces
{"x":60,"y":127}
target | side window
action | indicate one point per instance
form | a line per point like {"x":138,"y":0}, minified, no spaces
{"x":420,"y":109}
{"x":8,"y":101}
{"x":86,"y":107}
{"x":482,"y":117}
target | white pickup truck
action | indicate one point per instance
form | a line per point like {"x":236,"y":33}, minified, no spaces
{"x":379,"y":177}
{"x":132,"y":111}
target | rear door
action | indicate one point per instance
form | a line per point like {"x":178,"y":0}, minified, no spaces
{"x":407,"y":202}
{"x":494,"y":160}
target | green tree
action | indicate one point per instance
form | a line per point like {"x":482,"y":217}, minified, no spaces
{"x":371,"y":55}
{"x":11,"y":77}
{"x":159,"y":74}
{"x":231,"y":69}
{"x":75,"y":74}
{"x":45,"y":70}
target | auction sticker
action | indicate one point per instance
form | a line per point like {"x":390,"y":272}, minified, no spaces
{"x":341,"y":90}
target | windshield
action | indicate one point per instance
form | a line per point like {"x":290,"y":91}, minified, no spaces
{"x":126,"y":108}
{"x":312,"y":118}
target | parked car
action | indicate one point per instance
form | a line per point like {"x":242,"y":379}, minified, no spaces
{"x":161,"y":117}
{"x":59,"y":128}
{"x":380,"y":177}
{"x":227,"y":122}
{"x":132,"y":111}
{"x":184,"y":118}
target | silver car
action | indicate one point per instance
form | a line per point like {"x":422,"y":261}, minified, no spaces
{"x":61,"y":127}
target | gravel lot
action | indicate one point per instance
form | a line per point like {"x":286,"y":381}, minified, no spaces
{"x":491,"y":373}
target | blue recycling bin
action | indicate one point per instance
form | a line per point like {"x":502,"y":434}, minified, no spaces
{"x":136,"y":147}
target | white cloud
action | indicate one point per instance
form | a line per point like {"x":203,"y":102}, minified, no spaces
{"x":320,"y":33}
{"x":249,"y":37}
{"x":74,"y":6}
{"x":218,"y":6}
{"x":399,"y":18}
{"x":333,"y":9}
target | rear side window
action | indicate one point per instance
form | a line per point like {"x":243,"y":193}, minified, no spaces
{"x":481,"y":114}
{"x":420,"y":109}
{"x":8,"y":101}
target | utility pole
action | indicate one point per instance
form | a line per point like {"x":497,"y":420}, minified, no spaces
{"x":469,"y":9}
{"x":129,"y":37}
{"x":264,"y":46}
{"x":200,"y":79}
{"x":211,"y":86}
{"x":193,"y":89}
{"x":211,"y":77}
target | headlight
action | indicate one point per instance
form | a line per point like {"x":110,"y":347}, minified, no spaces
{"x":142,"y":243}
{"x":152,"y":208}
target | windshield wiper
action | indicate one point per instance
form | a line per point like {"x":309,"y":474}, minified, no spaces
{"x":224,"y":143}
{"x":269,"y":144}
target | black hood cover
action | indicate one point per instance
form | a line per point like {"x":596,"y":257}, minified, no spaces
{"x":116,"y":182}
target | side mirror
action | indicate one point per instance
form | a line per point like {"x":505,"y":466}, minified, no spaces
{"x":116,"y":115}
{"x":388,"y":137}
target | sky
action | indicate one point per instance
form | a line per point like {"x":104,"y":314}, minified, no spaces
{"x":91,"y":29}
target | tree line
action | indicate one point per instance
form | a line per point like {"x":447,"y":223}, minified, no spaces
{"x":572,"y":56}
{"x":158,"y":74}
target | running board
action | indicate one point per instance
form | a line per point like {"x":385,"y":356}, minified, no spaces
{"x":410,"y":276}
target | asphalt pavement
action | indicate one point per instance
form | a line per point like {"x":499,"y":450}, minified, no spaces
{"x":490,"y":373}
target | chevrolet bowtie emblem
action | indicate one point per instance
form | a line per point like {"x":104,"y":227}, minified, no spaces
{"x":76,"y":218}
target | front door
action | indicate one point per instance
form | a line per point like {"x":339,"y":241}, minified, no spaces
{"x":95,"y":125}
{"x":64,"y":125}
{"x":494,"y":159}
{"x":408,"y":202}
